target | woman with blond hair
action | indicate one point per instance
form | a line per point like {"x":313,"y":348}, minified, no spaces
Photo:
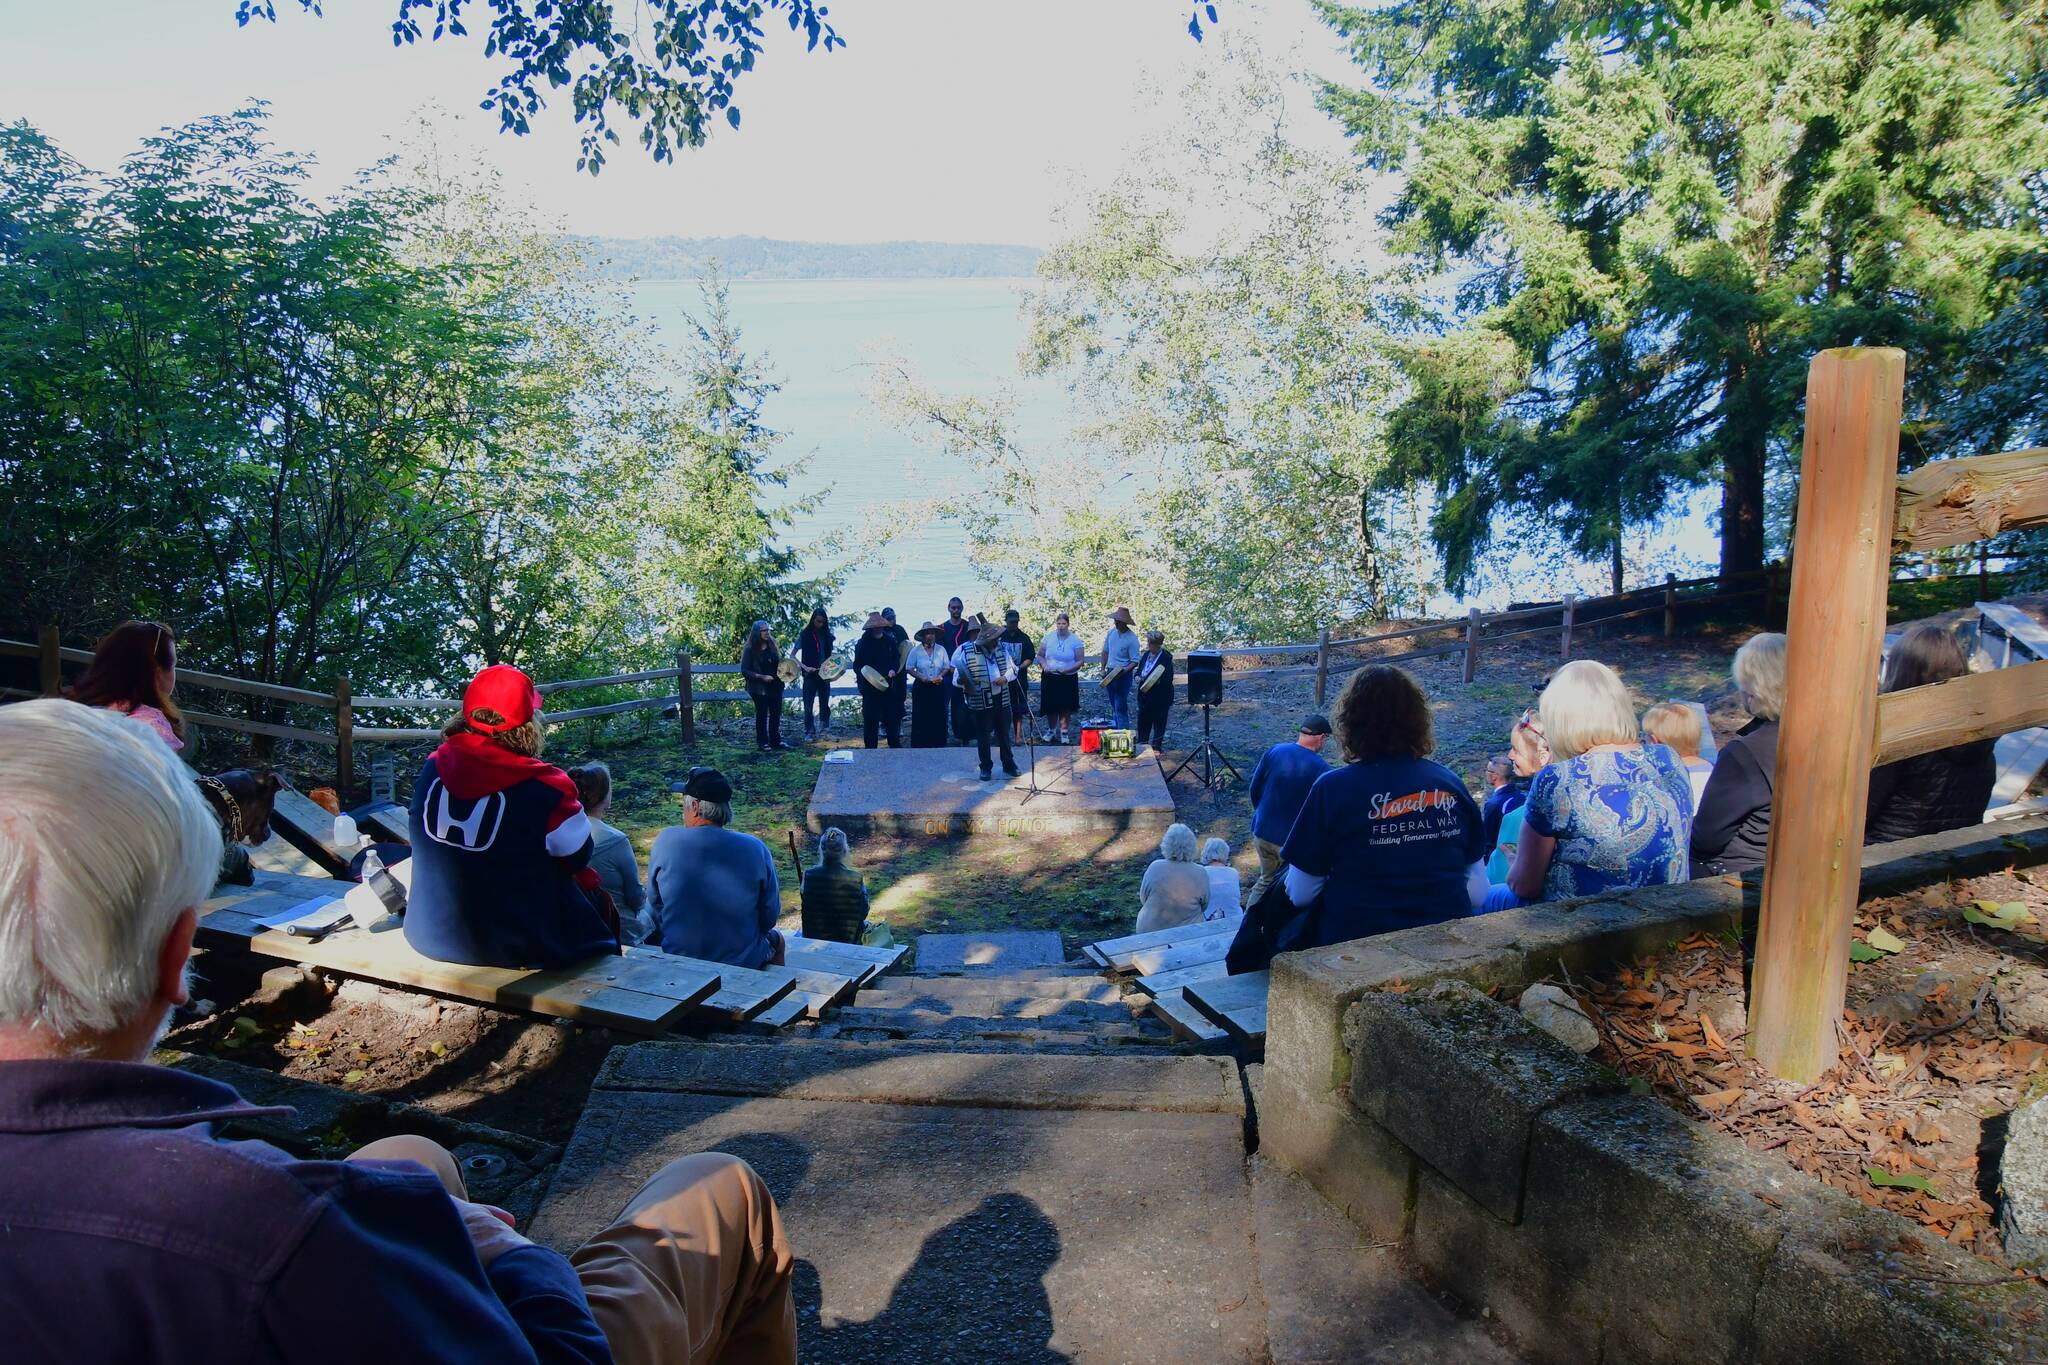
{"x":500,"y":841}
{"x":1677,"y":727}
{"x":1733,"y":826}
{"x":1610,"y":812}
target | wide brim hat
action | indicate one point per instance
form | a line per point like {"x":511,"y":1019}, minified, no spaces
{"x":1122,"y":616}
{"x":928,"y":628}
{"x":875,"y":621}
{"x":989,"y":634}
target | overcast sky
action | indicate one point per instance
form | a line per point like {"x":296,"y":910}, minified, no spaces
{"x":952,"y":120}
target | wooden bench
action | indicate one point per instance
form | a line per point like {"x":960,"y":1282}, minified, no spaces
{"x":642,"y":991}
{"x":1162,"y":950}
{"x":2018,"y":630}
{"x":846,"y":959}
{"x":1235,"y":1004}
{"x":308,"y":828}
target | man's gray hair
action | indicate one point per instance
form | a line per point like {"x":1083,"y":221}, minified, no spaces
{"x":104,"y":840}
{"x":1216,"y":851}
{"x":1177,"y":845}
{"x":832,"y":845}
{"x":712,"y":812}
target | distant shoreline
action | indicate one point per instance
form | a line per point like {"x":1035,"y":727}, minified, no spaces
{"x":769,"y":258}
{"x":834,"y":279}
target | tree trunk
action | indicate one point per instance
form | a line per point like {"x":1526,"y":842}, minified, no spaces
{"x":1742,"y":473}
{"x":1614,"y":564}
{"x":1369,"y":559}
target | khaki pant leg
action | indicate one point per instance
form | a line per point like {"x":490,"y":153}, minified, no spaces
{"x":1269,"y":869}
{"x":695,"y":1270}
{"x":424,"y":1151}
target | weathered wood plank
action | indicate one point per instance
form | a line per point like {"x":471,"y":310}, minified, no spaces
{"x":276,"y":855}
{"x":2017,"y":627}
{"x":1110,"y":949}
{"x":1953,"y":502}
{"x":1172,"y":1009}
{"x":1192,"y":953}
{"x":882,"y":958}
{"x":743,"y":993}
{"x":787,"y":1010}
{"x":391,"y":823}
{"x":1158,"y":983}
{"x":1920,"y":720}
{"x":2020,"y":757}
{"x":308,"y":828}
{"x":1235,"y":1004}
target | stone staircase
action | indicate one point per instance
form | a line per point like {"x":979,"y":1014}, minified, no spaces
{"x":999,"y":1161}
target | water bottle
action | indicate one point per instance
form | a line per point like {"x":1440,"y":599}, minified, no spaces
{"x":390,"y":895}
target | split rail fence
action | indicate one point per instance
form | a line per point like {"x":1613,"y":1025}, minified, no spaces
{"x":1855,"y":514}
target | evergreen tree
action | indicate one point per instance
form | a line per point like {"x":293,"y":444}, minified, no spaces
{"x":1642,"y":221}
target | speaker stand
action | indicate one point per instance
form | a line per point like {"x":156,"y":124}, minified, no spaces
{"x":1209,"y":754}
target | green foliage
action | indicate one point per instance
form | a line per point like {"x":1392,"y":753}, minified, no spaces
{"x":673,"y":65}
{"x":1637,"y":225}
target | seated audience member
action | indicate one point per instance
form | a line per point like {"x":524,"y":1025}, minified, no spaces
{"x":1527,"y":756}
{"x":1279,"y":785}
{"x":133,"y":671}
{"x":1928,"y":793}
{"x":1610,"y":812}
{"x":713,"y":890}
{"x":1676,"y":726}
{"x":611,"y":852}
{"x":1732,"y":827}
{"x":135,"y":1232}
{"x":1175,"y":890}
{"x":835,"y":895}
{"x":1226,"y":887}
{"x":500,"y":842}
{"x":1391,"y":839}
{"x":1505,"y":790}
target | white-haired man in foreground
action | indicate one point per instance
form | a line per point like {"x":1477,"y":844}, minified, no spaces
{"x":130,"y":1230}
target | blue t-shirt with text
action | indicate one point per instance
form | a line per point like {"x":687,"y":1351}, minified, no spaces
{"x":1395,"y":837}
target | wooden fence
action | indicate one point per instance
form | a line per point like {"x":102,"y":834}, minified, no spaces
{"x":1855,"y":513}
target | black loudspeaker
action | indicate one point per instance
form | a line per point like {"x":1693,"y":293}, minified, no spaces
{"x":1205,"y":678}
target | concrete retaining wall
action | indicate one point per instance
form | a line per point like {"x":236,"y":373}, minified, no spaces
{"x":1599,"y":1225}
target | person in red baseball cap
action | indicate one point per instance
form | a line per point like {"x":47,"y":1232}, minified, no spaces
{"x":501,"y":844}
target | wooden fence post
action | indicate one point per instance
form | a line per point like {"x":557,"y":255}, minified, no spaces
{"x":1827,"y":731}
{"x":686,"y":706}
{"x":1471,"y":642}
{"x":1670,"y":605}
{"x":1571,"y":607}
{"x":1322,"y":666}
{"x":344,"y":739}
{"x":49,"y":662}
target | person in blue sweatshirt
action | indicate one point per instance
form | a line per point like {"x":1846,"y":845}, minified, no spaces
{"x":501,"y":844}
{"x":1279,"y":785}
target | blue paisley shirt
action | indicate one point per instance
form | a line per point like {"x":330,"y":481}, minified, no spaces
{"x":1621,"y":819}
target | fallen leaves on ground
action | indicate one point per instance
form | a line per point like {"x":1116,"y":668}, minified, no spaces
{"x":1898,"y":1122}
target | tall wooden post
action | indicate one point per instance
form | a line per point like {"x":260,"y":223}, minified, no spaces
{"x":1571,"y":608}
{"x":344,"y":739}
{"x":1471,"y":643}
{"x":1827,"y":731}
{"x":686,"y":706}
{"x":50,"y":662}
{"x":1322,"y":666}
{"x":1670,"y":605}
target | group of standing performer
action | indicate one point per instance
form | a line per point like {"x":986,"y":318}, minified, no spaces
{"x":961,"y":679}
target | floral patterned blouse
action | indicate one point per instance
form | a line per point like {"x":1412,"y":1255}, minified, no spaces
{"x":1621,"y":818}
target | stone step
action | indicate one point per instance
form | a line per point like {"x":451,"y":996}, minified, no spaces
{"x":1006,"y":951}
{"x":954,"y":1205}
{"x":1052,"y":1028}
{"x":936,"y":992}
{"x":1332,"y":1296}
{"x":1103,"y":1002}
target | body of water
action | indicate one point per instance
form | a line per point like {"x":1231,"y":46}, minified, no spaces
{"x":820,"y":339}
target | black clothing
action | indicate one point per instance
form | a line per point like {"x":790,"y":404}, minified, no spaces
{"x":758,"y":661}
{"x":879,"y":709}
{"x":768,"y":716}
{"x":901,"y":636}
{"x":1947,"y":789}
{"x":835,"y":902}
{"x":1020,"y":691}
{"x":1059,"y":694}
{"x":993,"y":722}
{"x":1732,"y":827}
{"x":1154,"y":705}
{"x":813,"y":647}
{"x":928,"y":715}
{"x":956,"y":635}
{"x":1501,"y":800}
{"x":818,"y":695}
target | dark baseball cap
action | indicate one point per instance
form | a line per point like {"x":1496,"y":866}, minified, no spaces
{"x":706,"y":784}
{"x":1316,"y":725}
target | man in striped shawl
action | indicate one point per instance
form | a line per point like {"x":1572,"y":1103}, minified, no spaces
{"x":984,"y":673}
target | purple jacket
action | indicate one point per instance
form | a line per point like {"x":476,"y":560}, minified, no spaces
{"x":130,"y":1232}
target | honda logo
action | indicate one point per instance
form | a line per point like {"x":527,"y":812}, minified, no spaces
{"x":470,"y":825}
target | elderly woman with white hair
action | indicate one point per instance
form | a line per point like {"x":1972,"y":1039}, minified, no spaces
{"x":1610,"y":812}
{"x":1176,"y":888}
{"x":1226,"y":884}
{"x":1733,"y":827}
{"x":137,"y":1231}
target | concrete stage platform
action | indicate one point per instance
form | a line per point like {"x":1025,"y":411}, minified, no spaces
{"x":940,"y":792}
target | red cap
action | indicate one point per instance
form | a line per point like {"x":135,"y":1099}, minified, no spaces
{"x":504,"y":689}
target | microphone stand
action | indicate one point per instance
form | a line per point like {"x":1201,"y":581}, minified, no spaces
{"x":1031,"y":744}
